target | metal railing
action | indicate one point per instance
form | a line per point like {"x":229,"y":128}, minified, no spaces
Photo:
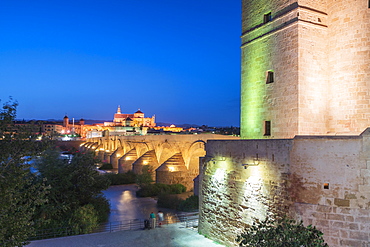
{"x":188,"y":220}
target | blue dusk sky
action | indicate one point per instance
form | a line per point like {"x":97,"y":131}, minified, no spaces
{"x":178,"y":60}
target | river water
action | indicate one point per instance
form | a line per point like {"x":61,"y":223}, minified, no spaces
{"x":126,"y":206}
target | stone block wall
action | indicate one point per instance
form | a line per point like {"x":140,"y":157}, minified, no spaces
{"x":319,"y":52}
{"x":270,"y":46}
{"x":332,"y":187}
{"x":324,"y":181}
{"x":231,"y":197}
{"x":184,"y":178}
{"x":341,"y":224}
{"x":349,"y":65}
{"x":312,"y":83}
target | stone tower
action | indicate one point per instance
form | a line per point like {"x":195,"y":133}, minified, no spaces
{"x":66,"y":121}
{"x":305,"y":68}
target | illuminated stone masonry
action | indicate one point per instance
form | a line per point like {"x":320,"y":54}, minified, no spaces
{"x":175,"y":158}
{"x":305,"y":100}
{"x":136,"y":119}
{"x":305,"y":68}
{"x":323,"y":180}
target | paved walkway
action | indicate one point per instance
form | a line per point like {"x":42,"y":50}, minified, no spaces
{"x":173,"y":235}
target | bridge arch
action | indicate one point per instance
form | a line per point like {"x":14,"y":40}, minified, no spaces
{"x":126,"y":161}
{"x":130,"y":152}
{"x":165,"y":151}
{"x":147,"y":159}
{"x":194,"y":152}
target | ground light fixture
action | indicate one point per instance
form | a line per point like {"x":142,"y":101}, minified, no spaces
{"x":214,"y":160}
{"x":255,"y":163}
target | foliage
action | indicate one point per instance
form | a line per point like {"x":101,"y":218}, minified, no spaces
{"x":159,"y":189}
{"x":145,"y":178}
{"x":8,"y":113}
{"x":177,"y":188}
{"x":282,"y":232}
{"x":20,"y":194}
{"x":173,"y":202}
{"x":19,"y":197}
{"x":106,"y":166}
{"x":61,"y":192}
{"x":84,"y":219}
{"x":189,"y":204}
{"x":102,"y":207}
{"x":168,"y":201}
{"x":73,"y":185}
{"x":121,"y":178}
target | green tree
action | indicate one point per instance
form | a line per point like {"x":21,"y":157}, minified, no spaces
{"x":86,"y":218}
{"x":281,"y":233}
{"x":73,"y":186}
{"x":20,"y":193}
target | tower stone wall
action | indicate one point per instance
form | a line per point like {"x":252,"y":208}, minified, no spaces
{"x":318,"y":52}
{"x":321,"y":180}
{"x":349,"y":65}
{"x":306,"y":88}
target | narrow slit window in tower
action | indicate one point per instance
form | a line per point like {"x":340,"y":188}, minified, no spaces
{"x":267,"y":18}
{"x":267,"y":128}
{"x":269,"y":77}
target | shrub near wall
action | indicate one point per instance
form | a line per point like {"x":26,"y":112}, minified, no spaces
{"x":191,"y":203}
{"x":280,"y":233}
{"x":169,"y":201}
{"x":160,"y":189}
{"x":121,"y":178}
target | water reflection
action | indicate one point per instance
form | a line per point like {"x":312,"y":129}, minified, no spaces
{"x":126,"y":206}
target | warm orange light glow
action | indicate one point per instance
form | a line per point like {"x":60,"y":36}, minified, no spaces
{"x":171,"y":168}
{"x":171,"y":128}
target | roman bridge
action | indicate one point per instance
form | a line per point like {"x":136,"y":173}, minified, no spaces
{"x":175,"y":158}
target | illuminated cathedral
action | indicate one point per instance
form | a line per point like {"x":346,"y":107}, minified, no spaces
{"x":131,"y":120}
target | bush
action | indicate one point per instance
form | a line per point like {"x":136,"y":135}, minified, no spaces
{"x":84,"y":219}
{"x":159,"y":189}
{"x":190,"y":204}
{"x":279,"y":233}
{"x":148,"y":190}
{"x":102,"y":207}
{"x":169,"y":201}
{"x":106,"y":166}
{"x":121,"y":178}
{"x":177,"y":188}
